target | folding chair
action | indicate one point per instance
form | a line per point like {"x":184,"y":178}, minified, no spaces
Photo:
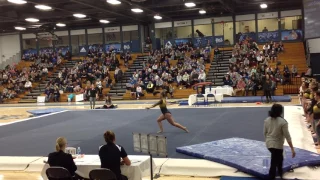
{"x":200,"y":98}
{"x":58,"y":173}
{"x":102,"y":174}
{"x":211,"y":99}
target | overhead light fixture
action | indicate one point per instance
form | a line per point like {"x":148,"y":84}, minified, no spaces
{"x":263,"y":6}
{"x":104,"y":21}
{"x":60,"y":25}
{"x":202,"y":11}
{"x":190,"y":4}
{"x":114,"y":2}
{"x":43,"y":7}
{"x":18,"y":1}
{"x":32,"y":20}
{"x":157,"y":17}
{"x":137,"y":10}
{"x":79,"y":15}
{"x":20,"y":28}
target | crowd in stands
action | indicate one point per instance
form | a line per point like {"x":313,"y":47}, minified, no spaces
{"x":250,"y":68}
{"x":159,"y":72}
{"x":94,"y":69}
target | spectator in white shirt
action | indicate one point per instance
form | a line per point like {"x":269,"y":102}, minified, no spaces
{"x":185,"y":79}
{"x":179,"y":79}
{"x":28,"y":85}
{"x":246,"y":62}
{"x":139,"y":92}
{"x":266,"y":48}
{"x":202,"y":76}
{"x":44,"y":71}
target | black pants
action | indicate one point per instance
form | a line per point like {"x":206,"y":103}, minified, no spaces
{"x":276,"y":162}
{"x":267,"y":93}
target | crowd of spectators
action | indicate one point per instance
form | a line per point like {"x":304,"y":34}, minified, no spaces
{"x":94,"y":69}
{"x":16,"y":81}
{"x":250,"y":68}
{"x":159,"y":71}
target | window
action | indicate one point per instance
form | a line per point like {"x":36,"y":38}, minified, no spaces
{"x":94,"y":39}
{"x":76,"y":42}
{"x":245,"y":26}
{"x":183,"y":32}
{"x":265,"y":25}
{"x":205,"y":29}
{"x":289,"y":23}
{"x":163,"y":34}
{"x":225,"y":29}
{"x":112,"y":37}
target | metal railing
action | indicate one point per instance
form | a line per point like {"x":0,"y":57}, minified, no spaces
{"x":293,"y":86}
{"x":15,"y":59}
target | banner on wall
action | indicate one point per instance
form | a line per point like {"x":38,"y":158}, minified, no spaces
{"x":291,"y":35}
{"x":83,"y":50}
{"x":46,"y":50}
{"x":182,"y":41}
{"x":218,"y":40}
{"x":29,"y":52}
{"x":127,"y":46}
{"x":268,"y":36}
{"x":203,"y":41}
{"x":96,"y":47}
{"x":62,"y":49}
{"x":244,"y":36}
{"x":113,"y":47}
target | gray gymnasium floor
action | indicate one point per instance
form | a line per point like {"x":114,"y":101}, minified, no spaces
{"x":37,"y":137}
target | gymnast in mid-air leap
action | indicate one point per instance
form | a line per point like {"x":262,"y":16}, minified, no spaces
{"x":166,"y":114}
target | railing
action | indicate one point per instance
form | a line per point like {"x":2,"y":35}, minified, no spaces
{"x":15,"y":59}
{"x":293,"y":86}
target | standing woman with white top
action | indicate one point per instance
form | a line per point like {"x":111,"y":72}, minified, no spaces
{"x":275,"y":131}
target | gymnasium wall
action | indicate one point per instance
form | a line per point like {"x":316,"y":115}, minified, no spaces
{"x":9,"y":46}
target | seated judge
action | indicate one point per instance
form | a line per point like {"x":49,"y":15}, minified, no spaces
{"x":62,"y":159}
{"x":110,"y":155}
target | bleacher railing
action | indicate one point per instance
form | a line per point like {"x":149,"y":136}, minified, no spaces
{"x":293,"y":86}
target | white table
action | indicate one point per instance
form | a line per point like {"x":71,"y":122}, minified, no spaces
{"x":220,"y":90}
{"x":140,"y":167}
{"x":193,"y":98}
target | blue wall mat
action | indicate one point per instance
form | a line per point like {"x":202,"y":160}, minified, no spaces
{"x":40,"y":112}
{"x":248,"y":156}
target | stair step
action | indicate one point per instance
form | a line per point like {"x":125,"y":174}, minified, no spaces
{"x":28,"y":101}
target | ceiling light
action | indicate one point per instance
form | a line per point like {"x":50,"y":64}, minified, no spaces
{"x":79,"y":15}
{"x":104,"y":21}
{"x":263,"y":6}
{"x":43,"y":7}
{"x":18,"y":1}
{"x":202,"y":11}
{"x":190,"y":4}
{"x":19,"y":28}
{"x":60,"y":24}
{"x":114,"y":2}
{"x":137,"y":10}
{"x":32,"y":20}
{"x":157,"y":17}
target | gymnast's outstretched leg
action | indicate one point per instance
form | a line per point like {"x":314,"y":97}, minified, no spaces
{"x":160,"y":118}
{"x":170,"y":119}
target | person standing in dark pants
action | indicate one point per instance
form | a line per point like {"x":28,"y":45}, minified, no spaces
{"x":275,"y":131}
{"x":92,"y":92}
{"x":267,"y":90}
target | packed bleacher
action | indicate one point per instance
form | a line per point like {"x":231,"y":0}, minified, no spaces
{"x":252,"y":68}
{"x":169,"y":68}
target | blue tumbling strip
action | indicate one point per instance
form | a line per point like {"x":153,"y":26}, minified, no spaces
{"x":249,"y":156}
{"x":39,"y":112}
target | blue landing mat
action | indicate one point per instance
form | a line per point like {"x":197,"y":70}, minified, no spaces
{"x":248,"y":156}
{"x":245,"y":99}
{"x":40,"y":112}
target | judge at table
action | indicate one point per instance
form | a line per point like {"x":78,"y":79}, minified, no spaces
{"x":62,"y":159}
{"x":110,"y":155}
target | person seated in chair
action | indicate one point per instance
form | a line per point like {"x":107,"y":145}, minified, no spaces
{"x":241,"y":85}
{"x":61,"y":159}
{"x":139,"y":91}
{"x":251,"y":86}
{"x":150,"y":87}
{"x":110,"y":155}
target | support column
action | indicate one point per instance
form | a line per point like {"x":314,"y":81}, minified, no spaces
{"x":256,"y":22}
{"x":121,"y":38}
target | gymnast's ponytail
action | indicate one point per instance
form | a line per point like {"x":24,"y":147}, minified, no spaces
{"x":61,"y":143}
{"x":276,"y":111}
{"x":109,"y":136}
